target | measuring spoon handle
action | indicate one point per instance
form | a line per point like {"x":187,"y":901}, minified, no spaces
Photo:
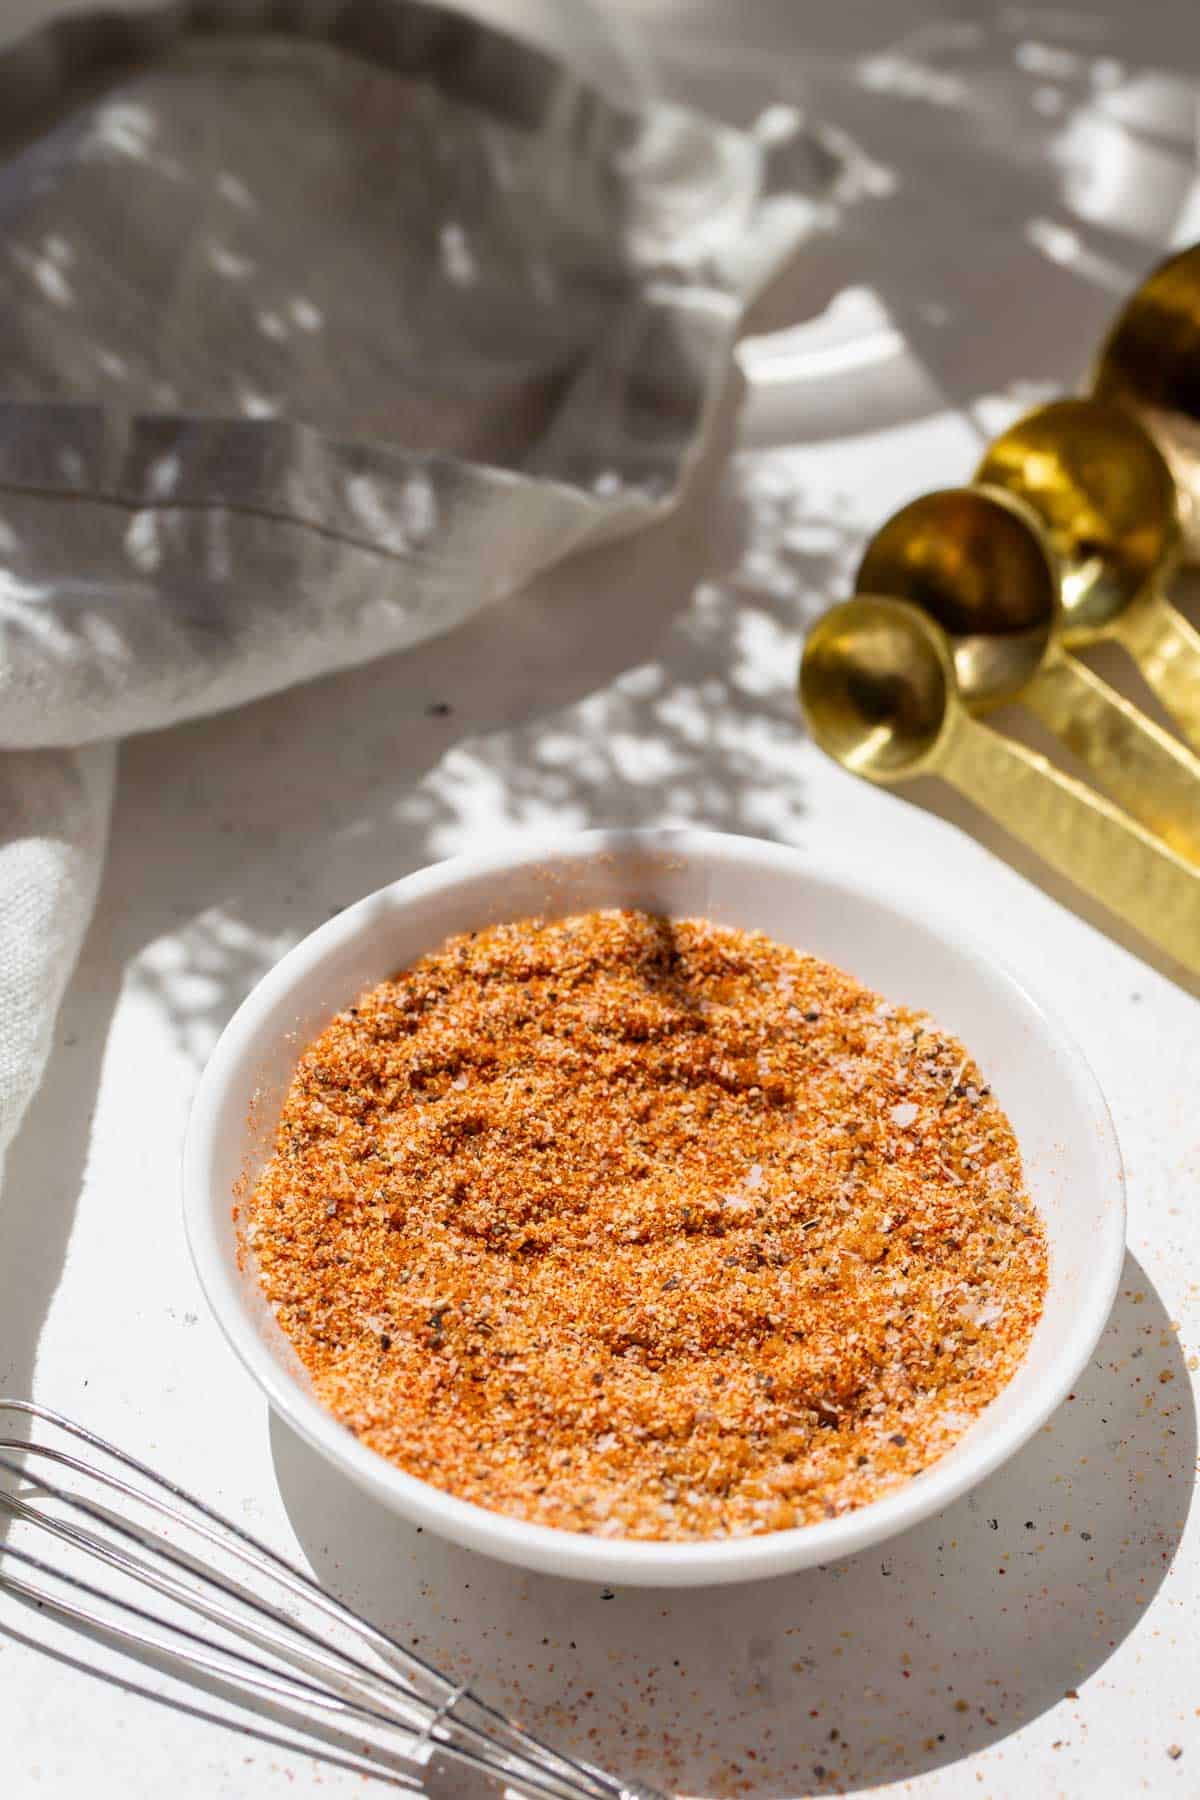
{"x":1079,"y":833}
{"x":1167,"y":650}
{"x":1155,"y":778}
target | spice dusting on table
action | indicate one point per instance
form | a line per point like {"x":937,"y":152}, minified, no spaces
{"x":647,"y":1227}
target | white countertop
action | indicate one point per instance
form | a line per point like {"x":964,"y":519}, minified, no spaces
{"x":1038,"y":1638}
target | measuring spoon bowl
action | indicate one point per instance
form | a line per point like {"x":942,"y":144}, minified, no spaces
{"x":1150,"y":364}
{"x":1106,"y":499}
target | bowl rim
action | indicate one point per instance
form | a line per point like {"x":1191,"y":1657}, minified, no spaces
{"x":577,"y":1554}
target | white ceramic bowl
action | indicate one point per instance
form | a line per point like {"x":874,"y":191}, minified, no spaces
{"x":1072,"y":1162}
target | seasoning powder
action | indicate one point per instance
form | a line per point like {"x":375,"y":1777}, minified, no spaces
{"x":648,"y":1228}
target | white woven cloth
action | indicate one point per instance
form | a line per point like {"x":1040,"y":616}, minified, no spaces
{"x":308,"y":350}
{"x":54,"y":807}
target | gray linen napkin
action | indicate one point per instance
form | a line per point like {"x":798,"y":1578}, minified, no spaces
{"x":313,"y":341}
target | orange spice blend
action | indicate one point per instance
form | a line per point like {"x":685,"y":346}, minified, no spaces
{"x":647,"y":1228}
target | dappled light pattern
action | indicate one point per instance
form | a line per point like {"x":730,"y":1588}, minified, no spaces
{"x":627,"y":689}
{"x":1017,"y":167}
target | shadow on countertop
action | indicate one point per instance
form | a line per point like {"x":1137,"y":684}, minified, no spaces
{"x":897,"y":1661}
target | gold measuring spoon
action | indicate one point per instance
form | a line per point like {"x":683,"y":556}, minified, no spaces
{"x":976,"y":560}
{"x":1150,"y":364}
{"x":878,"y":688}
{"x":1108,"y":502}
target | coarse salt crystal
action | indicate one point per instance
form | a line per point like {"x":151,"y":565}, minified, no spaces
{"x":987,"y":1313}
{"x":905,"y":1113}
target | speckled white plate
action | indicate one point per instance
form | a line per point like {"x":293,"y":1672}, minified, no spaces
{"x":1072,"y":1163}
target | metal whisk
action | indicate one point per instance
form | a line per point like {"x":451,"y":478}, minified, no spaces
{"x":239,"y":1613}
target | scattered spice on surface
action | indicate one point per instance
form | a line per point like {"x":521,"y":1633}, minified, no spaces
{"x":647,"y":1228}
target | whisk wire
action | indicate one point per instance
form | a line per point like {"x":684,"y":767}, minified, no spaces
{"x":165,"y":1584}
{"x":409,"y":1695}
{"x":209,"y":1658}
{"x":221,"y":1662}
